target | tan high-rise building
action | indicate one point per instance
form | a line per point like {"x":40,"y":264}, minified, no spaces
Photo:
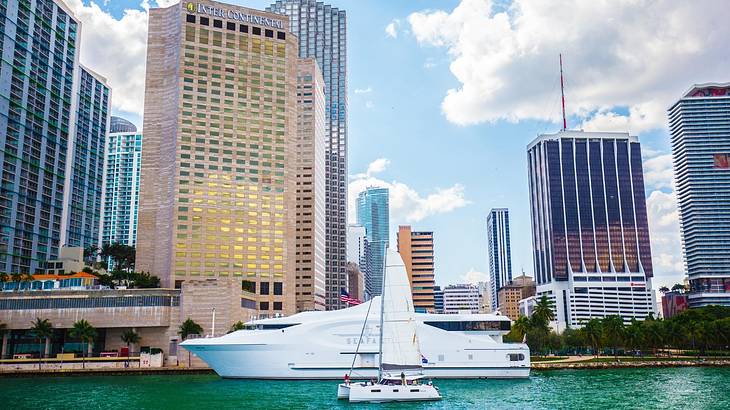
{"x":416,"y":249}
{"x":310,"y":194}
{"x":217,"y":195}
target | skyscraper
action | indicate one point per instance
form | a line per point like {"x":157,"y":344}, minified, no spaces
{"x":372,"y":213}
{"x":82,"y":208}
{"x":39,"y":106}
{"x":589,"y":227}
{"x":217,"y":193}
{"x":322,"y":33}
{"x":121,"y":194}
{"x":700,"y":126}
{"x":416,"y":249}
{"x":500,"y":258}
{"x":310,"y":175}
{"x":118,"y":124}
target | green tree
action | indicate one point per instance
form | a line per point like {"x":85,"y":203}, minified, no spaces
{"x":520,"y":327}
{"x":573,"y":338}
{"x":679,"y":288}
{"x":19,"y":278}
{"x":188,"y":328}
{"x":130,"y":337}
{"x":91,"y":252}
{"x":41,"y":329}
{"x":592,"y":332}
{"x":86,"y":333}
{"x":654,"y":334}
{"x":664,"y":289}
{"x":237,"y":326}
{"x":543,"y":313}
{"x":145,"y":280}
{"x":634,"y":335}
{"x":612,"y":332}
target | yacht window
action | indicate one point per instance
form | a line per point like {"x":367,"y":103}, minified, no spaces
{"x":472,"y":326}
{"x":516,"y":357}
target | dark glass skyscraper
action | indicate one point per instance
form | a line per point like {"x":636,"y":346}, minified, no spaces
{"x":84,"y":189}
{"x":500,"y":257}
{"x":590,"y":237}
{"x":37,"y":109}
{"x":322,"y":33}
{"x":700,"y":126}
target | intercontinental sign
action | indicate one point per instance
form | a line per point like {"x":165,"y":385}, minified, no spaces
{"x":234,"y":15}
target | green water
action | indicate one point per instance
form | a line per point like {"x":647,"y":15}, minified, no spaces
{"x":696,"y":388}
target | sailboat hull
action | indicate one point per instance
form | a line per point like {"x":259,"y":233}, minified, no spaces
{"x":380,"y":393}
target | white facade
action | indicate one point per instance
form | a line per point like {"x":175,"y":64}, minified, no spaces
{"x":527,"y":305}
{"x":464,"y":298}
{"x":356,"y":239}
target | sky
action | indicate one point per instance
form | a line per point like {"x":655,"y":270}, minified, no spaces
{"x":444,"y":96}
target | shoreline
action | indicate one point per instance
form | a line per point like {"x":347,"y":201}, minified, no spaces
{"x":538,"y":366}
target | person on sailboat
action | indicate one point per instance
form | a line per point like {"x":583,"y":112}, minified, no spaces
{"x":347,"y":379}
{"x":403,"y":378}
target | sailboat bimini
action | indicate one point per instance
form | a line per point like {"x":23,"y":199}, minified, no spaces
{"x":400,"y":373}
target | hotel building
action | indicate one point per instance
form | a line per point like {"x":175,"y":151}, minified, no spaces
{"x":510,"y":295}
{"x":217,"y":190}
{"x":416,"y":249}
{"x":121,"y":194}
{"x":700,"y":127}
{"x":373,"y":214}
{"x":322,"y":34}
{"x":500,"y":258}
{"x":589,"y":226}
{"x":310,"y":194}
{"x":462,"y":298}
{"x":84,"y":189}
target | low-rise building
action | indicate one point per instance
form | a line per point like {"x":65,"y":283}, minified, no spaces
{"x":70,"y":260}
{"x":509,"y":296}
{"x":674,"y":302}
{"x":527,"y":306}
{"x":461,"y":298}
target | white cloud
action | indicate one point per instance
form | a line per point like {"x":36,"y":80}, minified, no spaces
{"x":363,"y":90}
{"x":391,"y":30}
{"x":665,"y":240}
{"x":637,"y":55}
{"x":658,"y":173}
{"x":377,"y":166}
{"x":406,"y":204}
{"x":474,"y":276}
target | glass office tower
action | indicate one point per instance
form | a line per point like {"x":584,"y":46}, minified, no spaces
{"x":500,"y":258}
{"x":322,"y":33}
{"x":589,"y":226}
{"x":39,"y":45}
{"x":700,"y":126}
{"x":372,"y":213}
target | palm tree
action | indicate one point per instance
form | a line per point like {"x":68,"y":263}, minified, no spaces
{"x":543,"y":313}
{"x":634,"y":334}
{"x":42,"y":329}
{"x":188,"y":328}
{"x":237,"y":326}
{"x":521,"y":327}
{"x":612,"y":329}
{"x":592,"y":334}
{"x":664,"y":289}
{"x":130,"y":337}
{"x":84,"y":331}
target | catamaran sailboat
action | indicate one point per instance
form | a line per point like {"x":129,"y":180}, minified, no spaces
{"x":399,"y":370}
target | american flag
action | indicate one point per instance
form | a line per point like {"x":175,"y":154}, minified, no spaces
{"x":345,"y":297}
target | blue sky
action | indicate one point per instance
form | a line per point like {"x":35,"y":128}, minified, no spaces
{"x":451,"y":159}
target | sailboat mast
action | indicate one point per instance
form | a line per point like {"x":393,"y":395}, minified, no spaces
{"x":382,"y":313}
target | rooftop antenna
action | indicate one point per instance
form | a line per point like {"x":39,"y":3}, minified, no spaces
{"x":562,"y":92}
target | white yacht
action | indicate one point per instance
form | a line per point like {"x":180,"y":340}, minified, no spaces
{"x":322,"y":345}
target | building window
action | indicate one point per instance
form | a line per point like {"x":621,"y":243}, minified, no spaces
{"x":263,"y":305}
{"x":256,"y":31}
{"x":264,"y":288}
{"x":278,"y":288}
{"x":217,"y":23}
{"x":248,"y":304}
{"x":277,"y":305}
{"x":281,"y":35}
{"x":205,"y":21}
{"x":248,"y":286}
{"x":269,"y":33}
{"x":231,"y":26}
{"x":243,"y":28}
{"x":190,"y":18}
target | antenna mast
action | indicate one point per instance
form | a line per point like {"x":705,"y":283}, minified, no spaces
{"x":562,"y":92}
